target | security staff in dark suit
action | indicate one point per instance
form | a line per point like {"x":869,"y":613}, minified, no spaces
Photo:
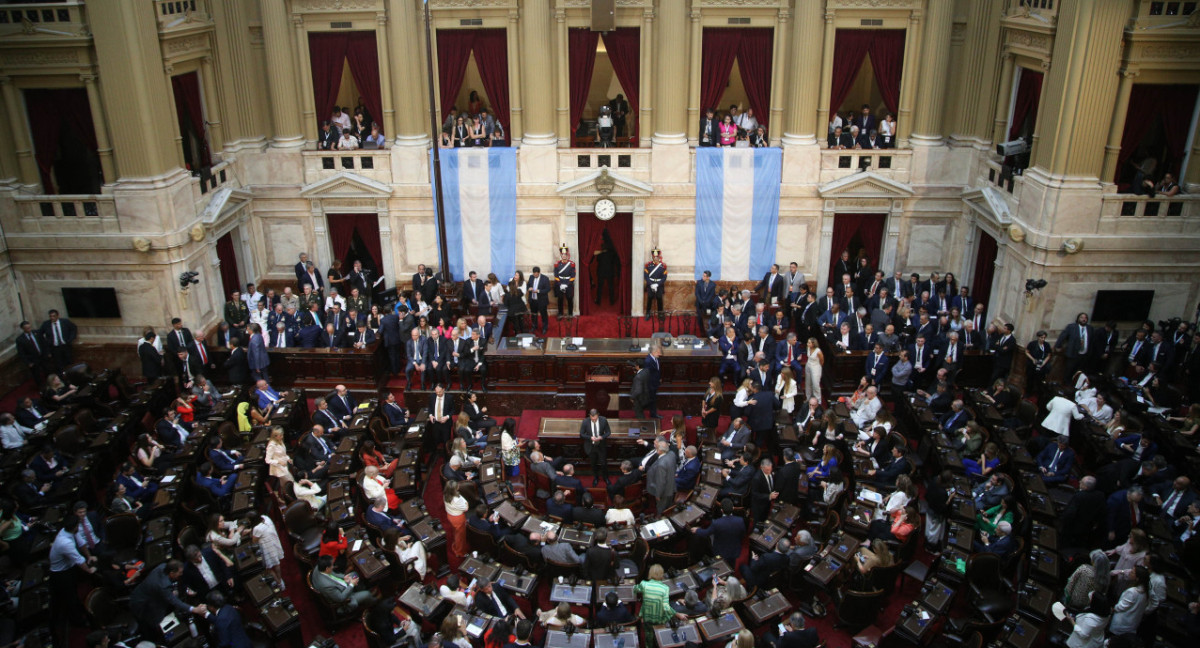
{"x":237,"y":366}
{"x":34,"y":352}
{"x":537,"y":289}
{"x":706,"y":300}
{"x":565,"y":273}
{"x":654,"y":275}
{"x":594,"y":431}
{"x":1004,"y":350}
{"x":760,"y":414}
{"x":59,"y":333}
{"x":763,"y":491}
{"x":152,"y":361}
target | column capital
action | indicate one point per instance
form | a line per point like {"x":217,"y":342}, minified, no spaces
{"x":381,"y":18}
{"x":784,"y":14}
{"x":914,"y":17}
{"x":206,"y":60}
{"x":695,"y":15}
{"x":5,"y":79}
{"x":88,"y":78}
{"x":1129,"y":73}
{"x":1045,"y":65}
{"x":297,"y":20}
{"x":829,"y":16}
{"x":169,"y":69}
{"x":648,"y":13}
{"x":514,"y":15}
{"x":560,"y":14}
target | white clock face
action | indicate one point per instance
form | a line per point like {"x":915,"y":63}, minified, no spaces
{"x":605,"y":209}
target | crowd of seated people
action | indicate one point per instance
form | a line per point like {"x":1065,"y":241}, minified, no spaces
{"x":475,"y":126}
{"x":343,"y":132}
{"x":861,"y":131}
{"x":735,"y":127}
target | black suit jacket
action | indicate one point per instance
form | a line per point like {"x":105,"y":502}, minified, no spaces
{"x":194,"y":581}
{"x":778,"y":288}
{"x":787,"y":481}
{"x":623,"y":481}
{"x":69,"y":331}
{"x":585,"y":432}
{"x":1083,"y":515}
{"x":760,"y":495}
{"x":487,"y":604}
{"x":713,"y":130}
{"x":758,"y":572}
{"x":761,"y":415}
{"x":152,"y":365}
{"x":237,"y":367}
{"x":30,"y":353}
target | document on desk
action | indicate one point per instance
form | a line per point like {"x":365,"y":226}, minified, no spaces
{"x":870,"y":496}
{"x":577,"y":341}
{"x":661,"y":527}
{"x":167,"y":480}
{"x":357,"y":546}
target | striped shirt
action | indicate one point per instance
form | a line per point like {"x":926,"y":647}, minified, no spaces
{"x":656,"y":606}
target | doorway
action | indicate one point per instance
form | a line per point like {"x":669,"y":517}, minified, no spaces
{"x":609,"y":267}
{"x":861,"y":235}
{"x":985,"y":269}
{"x":355,"y":237}
{"x":227,"y":257}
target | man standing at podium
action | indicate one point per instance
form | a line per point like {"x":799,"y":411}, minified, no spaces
{"x":595,"y":432}
{"x":564,"y":282}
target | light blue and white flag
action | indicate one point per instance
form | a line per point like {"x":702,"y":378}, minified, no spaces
{"x":737,"y":211}
{"x":479,"y":186}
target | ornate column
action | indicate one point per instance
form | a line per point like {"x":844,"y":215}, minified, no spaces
{"x":304,"y":89}
{"x":516,"y":117}
{"x":1004,"y":98}
{"x":671,"y":71}
{"x":694,"y":69}
{"x":26,"y":165}
{"x":10,"y":170}
{"x":908,"y":82}
{"x":409,"y":95}
{"x":800,"y":96}
{"x":234,"y":72}
{"x":281,"y":75}
{"x":779,"y":76}
{"x":562,"y":71}
{"x":1117,"y":127}
{"x":537,"y":82}
{"x":212,"y":106}
{"x":645,"y":114}
{"x":824,"y":89}
{"x":103,"y":146}
{"x":935,"y":65}
{"x":1191,"y":180}
{"x":388,"y":125}
{"x":125,"y":35}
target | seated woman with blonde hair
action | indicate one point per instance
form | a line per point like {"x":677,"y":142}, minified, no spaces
{"x":560,"y":616}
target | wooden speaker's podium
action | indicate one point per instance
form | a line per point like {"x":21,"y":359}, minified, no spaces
{"x":602,"y":392}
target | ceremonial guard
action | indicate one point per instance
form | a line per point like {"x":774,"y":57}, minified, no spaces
{"x":564,"y":281}
{"x":655,"y":275}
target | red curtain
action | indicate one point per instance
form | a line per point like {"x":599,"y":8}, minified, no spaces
{"x":1029,"y":93}
{"x":1174,"y":104}
{"x":754,"y":62}
{"x":187,"y":95}
{"x":342,"y":228}
{"x":591,"y":231}
{"x":887,"y":61}
{"x":48,"y":111}
{"x":985,"y":268}
{"x":368,"y":230}
{"x":229,"y":267}
{"x":327,"y":57}
{"x":867,"y":227}
{"x":886,"y":47}
{"x":581,"y":51}
{"x":491,"y":55}
{"x":328,"y":53}
{"x":453,"y":53}
{"x":362,"y":55}
{"x":716,"y":62}
{"x":624,"y":47}
{"x":849,"y":50}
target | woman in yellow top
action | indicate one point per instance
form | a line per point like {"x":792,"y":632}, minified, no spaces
{"x":1003,"y":512}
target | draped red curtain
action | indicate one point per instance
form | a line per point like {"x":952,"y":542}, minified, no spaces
{"x":367,"y":226}
{"x":624,"y":52}
{"x":49,"y":110}
{"x":362,"y":55}
{"x":1148,"y":103}
{"x":186,"y":88}
{"x":985,"y":268}
{"x":716,"y":62}
{"x":867,"y":227}
{"x":327,"y":57}
{"x":491,"y":55}
{"x":342,"y":228}
{"x":453,"y":53}
{"x":754,"y":62}
{"x":851,"y":46}
{"x":229,"y":267}
{"x":591,"y":231}
{"x":887,"y":61}
{"x":1029,"y":93}
{"x":581,"y":56}
{"x":341,"y":234}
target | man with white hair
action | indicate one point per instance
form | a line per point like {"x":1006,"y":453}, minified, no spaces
{"x":660,"y":480}
{"x":867,"y":409}
{"x":1002,"y":544}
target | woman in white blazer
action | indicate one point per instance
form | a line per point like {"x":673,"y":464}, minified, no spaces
{"x":1061,"y":411}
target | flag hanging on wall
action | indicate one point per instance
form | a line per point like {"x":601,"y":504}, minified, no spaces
{"x":479,"y":186}
{"x":737,"y":211}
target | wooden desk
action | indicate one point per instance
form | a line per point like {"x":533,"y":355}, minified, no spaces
{"x":665,"y":637}
{"x":260,"y":589}
{"x":578,"y":594}
{"x":624,"y":592}
{"x":936,"y":596}
{"x":522,"y":585}
{"x":560,"y":639}
{"x":768,"y":608}
{"x":602,"y":639}
{"x":560,"y":438}
{"x":681,"y":583}
{"x":725,"y":625}
{"x":1035,"y":600}
{"x":321,"y":368}
{"x":476,"y":568}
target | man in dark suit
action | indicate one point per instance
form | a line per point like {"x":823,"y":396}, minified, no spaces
{"x":950,"y":356}
{"x":1173,"y":498}
{"x":29,"y":413}
{"x":417,"y":359}
{"x":325,"y":417}
{"x":795,"y":634}
{"x":706,"y":299}
{"x":256,"y":353}
{"x":760,"y":414}
{"x":726,"y":533}
{"x":1075,"y":343}
{"x":898,"y":466}
{"x":218,"y":486}
{"x":195,"y":579}
{"x":170,"y":431}
{"x":568,"y":479}
{"x":359,"y":336}
{"x":628,"y":477}
{"x":688,"y":470}
{"x":772,"y":286}
{"x":157,"y":596}
{"x":495,"y":601}
{"x":342,"y":403}
{"x":34,"y":352}
{"x":865,"y":121}
{"x":396,"y":416}
{"x":1055,"y":461}
{"x":328,"y":137}
{"x":471,"y":360}
{"x":474,"y":295}
{"x":440,"y":410}
{"x":237,"y":367}
{"x":152,"y":360}
{"x":393,"y":342}
{"x":440,"y":354}
{"x":787,"y":477}
{"x":594,"y":431}
{"x":762,"y":376}
{"x":1003,"y":353}
{"x":877,"y":366}
{"x":227,"y":623}
{"x":311,"y":336}
{"x":59,"y":333}
{"x":1124,"y":514}
{"x":787,"y":354}
{"x":537,"y":289}
{"x":737,"y":476}
{"x":921,"y":355}
{"x":710,"y":132}
{"x":763,"y":492}
{"x":653,"y":377}
{"x":844,"y":266}
{"x":734,"y":439}
{"x":870,"y":140}
{"x":759,"y":572}
{"x":557,"y":506}
{"x":282,"y":337}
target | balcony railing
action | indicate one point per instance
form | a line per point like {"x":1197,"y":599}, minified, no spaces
{"x":1002,"y":177}
{"x":67,"y":214}
{"x":68,"y":16}
{"x":1128,"y":206}
{"x":375,"y":164}
{"x":893,"y":164}
{"x":216,"y":176}
{"x":577,"y":163}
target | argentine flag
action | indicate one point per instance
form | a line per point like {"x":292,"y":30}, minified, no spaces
{"x":479,"y":186}
{"x":737,"y":211}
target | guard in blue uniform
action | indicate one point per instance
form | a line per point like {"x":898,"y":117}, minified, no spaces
{"x":655,"y":277}
{"x":564,"y":281}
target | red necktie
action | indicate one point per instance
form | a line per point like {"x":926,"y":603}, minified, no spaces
{"x":203,"y":355}
{"x":1133,"y":515}
{"x":789,"y":354}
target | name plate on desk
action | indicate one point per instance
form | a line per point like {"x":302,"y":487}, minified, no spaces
{"x":725,"y":625}
{"x":560,"y":639}
{"x":768,"y":608}
{"x":602,"y":639}
{"x":578,"y":594}
{"x":666,"y":637}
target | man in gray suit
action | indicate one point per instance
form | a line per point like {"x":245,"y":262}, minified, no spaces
{"x":560,"y":552}
{"x":257,"y":353}
{"x":660,"y":480}
{"x":339,"y":590}
{"x":734,"y":439}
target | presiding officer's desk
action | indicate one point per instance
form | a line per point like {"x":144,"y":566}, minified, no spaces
{"x":323,"y":368}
